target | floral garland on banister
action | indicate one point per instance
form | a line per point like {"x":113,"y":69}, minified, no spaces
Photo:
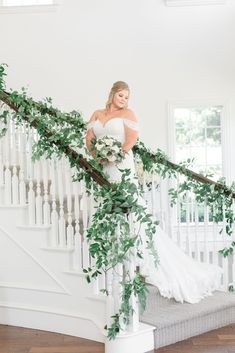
{"x":64,"y":133}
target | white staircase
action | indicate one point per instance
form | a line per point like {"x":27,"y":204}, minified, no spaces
{"x":38,"y":286}
{"x":44,"y":217}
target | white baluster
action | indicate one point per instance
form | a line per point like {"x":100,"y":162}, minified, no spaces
{"x":145,"y":187}
{"x":15,"y":179}
{"x":154,"y":191}
{"x":7,"y":172}
{"x":225,"y":259}
{"x":30,"y":172}
{"x":196,"y":247}
{"x":134,"y":326}
{"x":95,"y":282}
{"x":188,"y":247}
{"x":77,"y":256}
{"x":170,"y":215}
{"x":60,"y":174}
{"x":178,"y":210}
{"x":161,"y":207}
{"x":85,"y":247}
{"x":205,"y":242}
{"x":117,"y":277}
{"x":54,"y":213}
{"x":68,"y":182}
{"x":215,"y":232}
{"x":46,"y":206}
{"x":110,"y":300}
{"x":233,"y":254}
{"x":1,"y":159}
{"x":38,"y":193}
{"x":22,"y":158}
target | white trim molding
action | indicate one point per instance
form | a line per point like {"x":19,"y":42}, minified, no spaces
{"x":225,"y":128}
{"x":194,"y":2}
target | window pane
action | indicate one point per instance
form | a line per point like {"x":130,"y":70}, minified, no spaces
{"x":26,"y":2}
{"x":11,"y":2}
{"x":214,"y":155}
{"x":216,"y":170}
{"x":199,"y":155}
{"x":182,"y":138}
{"x":197,"y":118}
{"x":213,"y":136}
{"x":182,"y":154}
{"x":213,"y":116}
{"x":198,"y":136}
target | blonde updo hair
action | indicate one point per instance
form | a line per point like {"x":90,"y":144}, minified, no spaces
{"x":117,"y":86}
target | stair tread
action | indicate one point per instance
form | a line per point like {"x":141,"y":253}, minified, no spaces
{"x":168,"y":312}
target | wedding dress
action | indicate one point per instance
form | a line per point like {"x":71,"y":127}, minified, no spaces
{"x":177,"y":275}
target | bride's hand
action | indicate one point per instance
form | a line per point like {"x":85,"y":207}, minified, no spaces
{"x":102,"y":161}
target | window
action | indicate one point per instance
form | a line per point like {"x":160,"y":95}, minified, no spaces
{"x":26,"y":2}
{"x":194,"y":2}
{"x":198,"y":136}
{"x":29,"y":6}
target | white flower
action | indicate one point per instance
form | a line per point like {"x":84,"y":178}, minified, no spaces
{"x":99,"y":147}
{"x":112,"y":158}
{"x":116,"y":148}
{"x":109,"y":142}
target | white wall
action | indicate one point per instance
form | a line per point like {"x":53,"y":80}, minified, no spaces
{"x":75,"y":53}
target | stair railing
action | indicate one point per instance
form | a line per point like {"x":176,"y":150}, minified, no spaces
{"x":54,"y":200}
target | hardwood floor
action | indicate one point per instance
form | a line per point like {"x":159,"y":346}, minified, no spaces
{"x":21,"y":340}
{"x":217,"y":341}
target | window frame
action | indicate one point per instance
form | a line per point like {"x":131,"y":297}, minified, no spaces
{"x":4,"y":9}
{"x":225,"y":130}
{"x":194,"y":2}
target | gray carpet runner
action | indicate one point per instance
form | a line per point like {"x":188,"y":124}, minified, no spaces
{"x":175,"y":321}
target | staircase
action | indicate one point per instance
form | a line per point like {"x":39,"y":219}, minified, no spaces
{"x":176,"y":322}
{"x":44,"y":217}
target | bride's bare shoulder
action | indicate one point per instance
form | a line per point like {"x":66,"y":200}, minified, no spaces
{"x":96,"y":114}
{"x":129,"y":114}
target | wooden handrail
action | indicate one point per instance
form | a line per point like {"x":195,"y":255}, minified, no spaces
{"x":202,"y":179}
{"x":95,"y":174}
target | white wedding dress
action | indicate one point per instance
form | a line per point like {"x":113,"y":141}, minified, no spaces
{"x":177,"y":275}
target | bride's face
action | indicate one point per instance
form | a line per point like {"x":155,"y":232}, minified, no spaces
{"x":120,"y":99}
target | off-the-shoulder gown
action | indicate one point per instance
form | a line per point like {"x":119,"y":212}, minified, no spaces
{"x":177,"y":275}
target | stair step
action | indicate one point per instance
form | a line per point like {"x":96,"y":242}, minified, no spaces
{"x":58,"y":249}
{"x":176,"y":322}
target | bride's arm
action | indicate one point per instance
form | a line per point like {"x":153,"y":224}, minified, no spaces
{"x":131,"y":131}
{"x":90,"y":134}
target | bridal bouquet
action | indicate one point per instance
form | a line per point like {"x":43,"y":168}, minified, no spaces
{"x":108,"y":148}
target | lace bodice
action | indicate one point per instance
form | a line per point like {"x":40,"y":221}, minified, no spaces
{"x":114,"y":127}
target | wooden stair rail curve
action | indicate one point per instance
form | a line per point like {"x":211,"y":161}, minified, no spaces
{"x":83,"y":163}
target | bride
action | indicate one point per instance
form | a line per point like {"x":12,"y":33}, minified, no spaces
{"x":177,"y":275}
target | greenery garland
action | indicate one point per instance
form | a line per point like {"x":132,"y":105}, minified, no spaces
{"x":67,"y":130}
